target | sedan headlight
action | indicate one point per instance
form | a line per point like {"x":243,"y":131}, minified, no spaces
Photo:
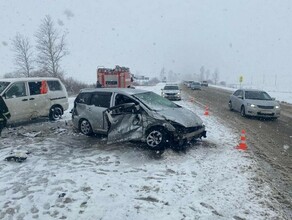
{"x":251,"y":105}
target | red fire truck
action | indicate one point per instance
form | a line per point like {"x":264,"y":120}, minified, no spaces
{"x":119,"y":77}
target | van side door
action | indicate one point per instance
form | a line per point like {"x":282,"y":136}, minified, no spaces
{"x":38,"y":98}
{"x":17,"y":101}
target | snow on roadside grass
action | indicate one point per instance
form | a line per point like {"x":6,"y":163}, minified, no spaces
{"x":72,"y":176}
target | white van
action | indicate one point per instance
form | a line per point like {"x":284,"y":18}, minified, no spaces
{"x":28,"y":98}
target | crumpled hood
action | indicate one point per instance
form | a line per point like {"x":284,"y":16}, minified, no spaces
{"x":182,"y":116}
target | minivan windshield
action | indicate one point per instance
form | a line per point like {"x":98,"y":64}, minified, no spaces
{"x":3,"y":85}
{"x":154,"y":101}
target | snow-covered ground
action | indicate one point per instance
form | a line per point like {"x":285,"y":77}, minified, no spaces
{"x":70,"y":176}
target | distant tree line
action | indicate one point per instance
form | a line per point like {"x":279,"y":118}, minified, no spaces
{"x":43,"y":60}
{"x":205,"y":75}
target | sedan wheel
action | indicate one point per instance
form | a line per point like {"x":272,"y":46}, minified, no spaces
{"x":230,"y":106}
{"x":85,"y":127}
{"x":242,"y":111}
{"x":156,"y":138}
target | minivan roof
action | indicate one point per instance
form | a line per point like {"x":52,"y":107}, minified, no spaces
{"x":126,"y":91}
{"x":27,"y":79}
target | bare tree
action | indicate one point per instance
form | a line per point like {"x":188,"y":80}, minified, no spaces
{"x":207,"y":74}
{"x":51,"y":48}
{"x":216,"y":76}
{"x":162,"y":74}
{"x":23,"y":55}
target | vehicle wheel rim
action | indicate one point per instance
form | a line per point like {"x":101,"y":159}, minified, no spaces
{"x":57,"y":113}
{"x":85,"y":127}
{"x":154,"y":138}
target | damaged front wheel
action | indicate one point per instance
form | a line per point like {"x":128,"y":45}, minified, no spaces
{"x":157,"y":138}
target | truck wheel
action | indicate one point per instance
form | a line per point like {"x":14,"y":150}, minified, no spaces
{"x":85,"y":127}
{"x":157,"y":138}
{"x":56,"y":113}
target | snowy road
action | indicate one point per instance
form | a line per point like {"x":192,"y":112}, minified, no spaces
{"x":71,"y":176}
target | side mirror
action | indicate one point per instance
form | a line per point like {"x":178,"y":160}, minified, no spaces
{"x":273,"y":99}
{"x":240,"y":97}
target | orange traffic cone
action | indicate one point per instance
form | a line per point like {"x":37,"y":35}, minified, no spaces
{"x":206,"y":111}
{"x":242,"y":145}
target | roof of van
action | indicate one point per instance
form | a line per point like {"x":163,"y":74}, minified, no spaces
{"x":27,"y":79}
{"x":128,"y":91}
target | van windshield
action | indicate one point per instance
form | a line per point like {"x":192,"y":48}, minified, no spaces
{"x":154,"y":101}
{"x":3,"y":85}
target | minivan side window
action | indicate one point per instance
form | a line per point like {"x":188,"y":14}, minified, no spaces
{"x":16,"y":90}
{"x":101,"y":99}
{"x":54,"y":85}
{"x":83,"y":98}
{"x":35,"y":87}
{"x":122,"y":99}
{"x":38,"y":87}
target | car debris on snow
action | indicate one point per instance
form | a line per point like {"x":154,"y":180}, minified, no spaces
{"x":17,"y":156}
{"x":31,"y":134}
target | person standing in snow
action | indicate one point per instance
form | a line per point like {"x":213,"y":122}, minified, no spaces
{"x":4,"y":114}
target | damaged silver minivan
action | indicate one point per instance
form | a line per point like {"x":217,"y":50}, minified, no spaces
{"x":135,"y":115}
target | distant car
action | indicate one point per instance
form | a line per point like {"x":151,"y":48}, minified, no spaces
{"x":189,"y":84}
{"x":204,"y":83}
{"x":135,"y":115}
{"x":196,"y":86}
{"x":254,"y":103}
{"x":171,"y":92}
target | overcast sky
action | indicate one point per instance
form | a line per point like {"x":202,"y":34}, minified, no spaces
{"x":252,"y":38}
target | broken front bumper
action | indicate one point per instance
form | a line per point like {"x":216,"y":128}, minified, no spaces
{"x":195,"y":134}
{"x":189,"y":135}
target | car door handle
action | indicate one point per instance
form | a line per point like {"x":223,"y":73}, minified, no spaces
{"x":31,"y":99}
{"x":24,"y":100}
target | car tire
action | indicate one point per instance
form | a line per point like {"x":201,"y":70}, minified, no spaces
{"x":56,"y":113}
{"x":85,"y":127}
{"x":230,"y":106}
{"x":242,"y":111}
{"x":157,"y":138}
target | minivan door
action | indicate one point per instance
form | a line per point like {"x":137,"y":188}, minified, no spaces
{"x":17,"y":101}
{"x":125,"y":123}
{"x":98,"y":103}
